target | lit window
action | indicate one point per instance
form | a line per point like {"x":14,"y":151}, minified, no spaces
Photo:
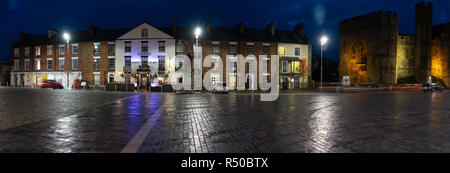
{"x":96,"y":48}
{"x":38,"y":64}
{"x":49,"y":50}
{"x":282,"y":50}
{"x":37,"y":51}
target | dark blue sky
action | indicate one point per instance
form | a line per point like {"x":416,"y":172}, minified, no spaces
{"x":319,"y":16}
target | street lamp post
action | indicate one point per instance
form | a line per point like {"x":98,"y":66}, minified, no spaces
{"x":323,"y":42}
{"x":197,"y":34}
{"x":67,"y":38}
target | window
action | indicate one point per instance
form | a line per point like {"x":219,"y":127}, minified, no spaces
{"x":96,"y":63}
{"x":214,"y":61}
{"x":49,"y":63}
{"x":127,"y":46}
{"x":216,"y":48}
{"x":144,"y":46}
{"x":27,"y":51}
{"x":266,"y":49}
{"x":144,"y":33}
{"x":97,"y":48}
{"x":144,"y":61}
{"x":16,"y":52}
{"x":74,"y":48}
{"x":16,"y":64}
{"x":75,"y":63}
{"x":111,"y":63}
{"x":296,"y":66}
{"x":27,"y":64}
{"x":250,"y":49}
{"x":232,"y":48}
{"x":37,"y":64}
{"x":161,"y":63}
{"x":49,"y":50}
{"x":282,"y":51}
{"x":111,"y":48}
{"x":297,"y":51}
{"x":61,"y":49}
{"x":284,"y":67}
{"x":61,"y":63}
{"x":180,"y":46}
{"x":111,"y":78}
{"x":128,"y":62}
{"x":161,"y":46}
{"x":37,"y":51}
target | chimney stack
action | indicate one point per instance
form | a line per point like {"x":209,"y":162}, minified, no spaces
{"x":241,"y":28}
{"x":208,"y":26}
{"x":271,"y":29}
{"x":300,"y":29}
{"x":92,"y":30}
{"x":174,"y":26}
{"x":52,"y":33}
{"x":23,"y":35}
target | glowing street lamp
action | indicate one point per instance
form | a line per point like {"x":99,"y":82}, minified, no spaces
{"x":66,"y":37}
{"x":197,"y":33}
{"x":323,"y":42}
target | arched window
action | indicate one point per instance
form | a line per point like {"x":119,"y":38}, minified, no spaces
{"x":144,"y":33}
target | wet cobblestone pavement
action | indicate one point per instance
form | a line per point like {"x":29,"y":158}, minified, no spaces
{"x":236,"y":123}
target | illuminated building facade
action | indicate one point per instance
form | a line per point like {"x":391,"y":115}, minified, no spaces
{"x":372,"y":51}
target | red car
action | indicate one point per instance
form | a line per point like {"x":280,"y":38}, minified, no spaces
{"x":51,"y":84}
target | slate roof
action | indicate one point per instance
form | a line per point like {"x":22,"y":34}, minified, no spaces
{"x":182,"y":33}
{"x":233,"y":34}
{"x":83,"y":36}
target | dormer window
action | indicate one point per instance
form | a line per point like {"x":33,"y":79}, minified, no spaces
{"x":144,"y":33}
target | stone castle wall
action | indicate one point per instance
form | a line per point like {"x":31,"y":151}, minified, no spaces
{"x":405,"y":56}
{"x":440,"y":53}
{"x":365,"y":56}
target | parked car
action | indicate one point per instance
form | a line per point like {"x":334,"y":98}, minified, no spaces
{"x":51,"y":84}
{"x":220,"y":88}
{"x":431,"y":87}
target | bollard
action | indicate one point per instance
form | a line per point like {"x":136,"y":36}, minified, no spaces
{"x":115,"y":88}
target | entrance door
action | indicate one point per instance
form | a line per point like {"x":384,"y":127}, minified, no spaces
{"x":97,"y":79}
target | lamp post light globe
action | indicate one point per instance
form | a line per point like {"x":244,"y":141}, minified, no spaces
{"x":323,"y":42}
{"x":66,"y":37}
{"x":197,"y":33}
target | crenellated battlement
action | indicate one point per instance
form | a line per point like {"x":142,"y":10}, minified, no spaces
{"x":406,"y":37}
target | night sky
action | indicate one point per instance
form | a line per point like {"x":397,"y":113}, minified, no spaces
{"x":319,"y":16}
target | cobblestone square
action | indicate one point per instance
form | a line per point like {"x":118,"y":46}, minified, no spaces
{"x":37,"y":120}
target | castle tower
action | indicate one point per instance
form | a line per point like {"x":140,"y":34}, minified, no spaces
{"x":424,"y":24}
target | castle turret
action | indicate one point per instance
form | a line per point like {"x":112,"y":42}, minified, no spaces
{"x":424,"y":24}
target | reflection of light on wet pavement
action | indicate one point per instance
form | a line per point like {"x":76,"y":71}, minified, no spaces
{"x":322,"y":124}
